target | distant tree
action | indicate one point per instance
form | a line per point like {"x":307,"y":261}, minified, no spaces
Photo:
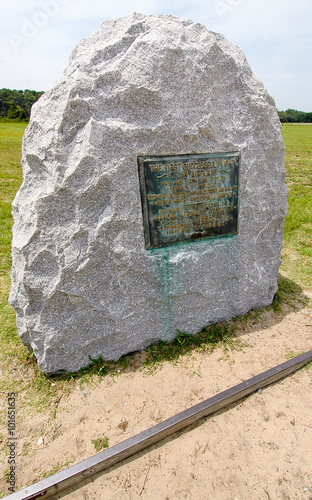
{"x":16,"y":104}
{"x":282,"y":115}
{"x":308,"y":118}
{"x":16,"y":112}
{"x":294,"y":116}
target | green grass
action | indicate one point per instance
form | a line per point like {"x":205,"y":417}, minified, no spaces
{"x":100,"y":443}
{"x":293,"y":354}
{"x":57,"y":468}
{"x":39,"y":392}
{"x":10,"y":179}
{"x":207,"y":339}
{"x":297,"y":250}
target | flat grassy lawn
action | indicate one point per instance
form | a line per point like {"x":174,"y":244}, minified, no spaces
{"x":297,"y":249}
{"x":10,"y":180}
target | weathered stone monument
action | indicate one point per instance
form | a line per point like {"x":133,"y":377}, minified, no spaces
{"x":153,"y":196}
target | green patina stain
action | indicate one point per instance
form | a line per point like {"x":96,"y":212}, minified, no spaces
{"x":169,"y":276}
{"x":167,"y":279}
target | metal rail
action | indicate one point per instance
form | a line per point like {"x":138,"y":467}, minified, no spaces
{"x":82,"y":470}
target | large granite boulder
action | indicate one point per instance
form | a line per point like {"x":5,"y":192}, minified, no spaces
{"x":83,"y":282}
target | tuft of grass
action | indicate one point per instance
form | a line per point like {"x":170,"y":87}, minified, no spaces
{"x":57,"y":468}
{"x":293,"y":354}
{"x":97,"y":367}
{"x":100,"y":443}
{"x":207,"y":339}
{"x":25,"y":448}
{"x":6,"y":475}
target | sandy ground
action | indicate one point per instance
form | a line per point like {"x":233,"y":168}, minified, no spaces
{"x":259,"y":448}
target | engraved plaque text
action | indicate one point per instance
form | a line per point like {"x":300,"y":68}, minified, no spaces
{"x":185,"y":197}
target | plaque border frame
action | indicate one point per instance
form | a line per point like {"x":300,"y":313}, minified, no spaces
{"x":191,"y":156}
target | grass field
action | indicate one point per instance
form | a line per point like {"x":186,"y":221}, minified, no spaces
{"x":19,"y":369}
{"x":297,"y":250}
{"x":10,"y":180}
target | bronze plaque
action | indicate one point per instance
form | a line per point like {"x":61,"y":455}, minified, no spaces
{"x":185,"y":197}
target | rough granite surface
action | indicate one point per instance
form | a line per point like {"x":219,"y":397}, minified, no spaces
{"x":83,"y":283}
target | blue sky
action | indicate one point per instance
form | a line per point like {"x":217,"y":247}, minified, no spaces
{"x":37,"y":37}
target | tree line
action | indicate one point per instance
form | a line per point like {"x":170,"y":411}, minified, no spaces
{"x":294,"y":116}
{"x":16,"y":104}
